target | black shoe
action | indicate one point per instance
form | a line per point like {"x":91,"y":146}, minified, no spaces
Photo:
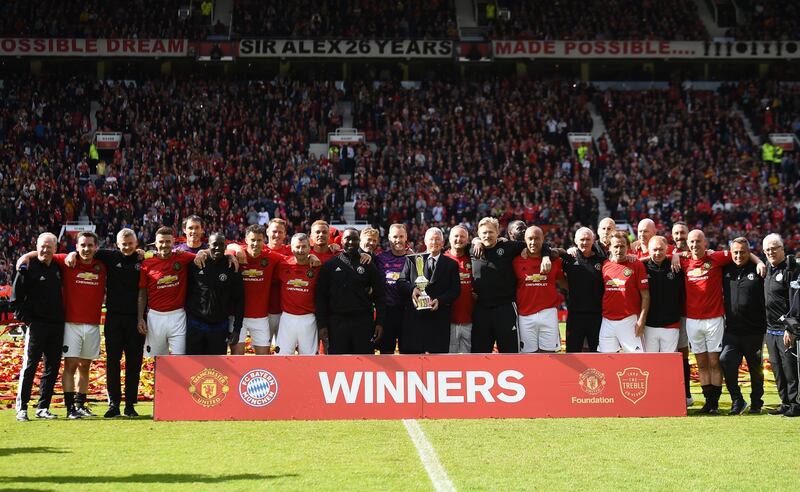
{"x":84,"y":411}
{"x":754,"y":410}
{"x":792,"y":412}
{"x":113,"y":411}
{"x":780,"y":410}
{"x":44,"y":413}
{"x":706,"y":408}
{"x":738,"y":407}
{"x":130,"y":411}
{"x":74,"y":414}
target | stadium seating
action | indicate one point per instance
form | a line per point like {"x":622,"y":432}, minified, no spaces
{"x":99,"y":19}
{"x":613,"y":19}
{"x":768,"y":20}
{"x":432,"y":19}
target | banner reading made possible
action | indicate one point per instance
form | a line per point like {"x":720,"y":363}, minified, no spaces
{"x":401,"y":387}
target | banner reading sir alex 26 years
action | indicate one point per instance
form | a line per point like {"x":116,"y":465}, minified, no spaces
{"x":401,"y":387}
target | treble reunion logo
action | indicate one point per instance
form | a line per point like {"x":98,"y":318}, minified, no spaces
{"x":258,"y":388}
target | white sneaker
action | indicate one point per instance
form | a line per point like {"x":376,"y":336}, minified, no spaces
{"x":689,"y":401}
{"x":44,"y":413}
{"x":22,"y":416}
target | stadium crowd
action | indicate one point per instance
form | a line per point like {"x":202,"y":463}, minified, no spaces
{"x":100,"y":19}
{"x":768,"y":20}
{"x":716,"y":180}
{"x":371,"y":19}
{"x":576,"y":20}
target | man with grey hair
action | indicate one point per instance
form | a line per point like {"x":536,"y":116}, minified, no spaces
{"x":781,"y":270}
{"x":585,"y":299}
{"x":428,"y":330}
{"x":461,"y":317}
{"x":38,"y":302}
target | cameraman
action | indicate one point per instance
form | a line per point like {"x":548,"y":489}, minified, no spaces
{"x":781,"y":270}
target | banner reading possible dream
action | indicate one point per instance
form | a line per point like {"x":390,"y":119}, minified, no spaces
{"x":413,"y":387}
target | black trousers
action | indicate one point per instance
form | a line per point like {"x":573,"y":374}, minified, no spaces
{"x":392,"y":330}
{"x":351,"y":334}
{"x":42,"y":340}
{"x":122,"y":337}
{"x":751,"y":347}
{"x":200,"y":342}
{"x":583,"y":326}
{"x":494,"y":324}
{"x":784,"y":367}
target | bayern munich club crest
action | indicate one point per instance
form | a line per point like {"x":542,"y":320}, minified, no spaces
{"x":258,"y":388}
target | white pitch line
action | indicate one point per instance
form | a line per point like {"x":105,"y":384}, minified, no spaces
{"x":436,"y":472}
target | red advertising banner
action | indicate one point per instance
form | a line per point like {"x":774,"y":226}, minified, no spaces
{"x":414,"y":387}
{"x":93,"y":47}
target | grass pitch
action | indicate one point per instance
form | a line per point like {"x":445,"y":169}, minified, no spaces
{"x":693,"y":453}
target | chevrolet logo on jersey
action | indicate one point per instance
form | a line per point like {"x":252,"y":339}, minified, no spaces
{"x":88,"y":276}
{"x":297,"y":282}
{"x":168,"y":279}
{"x":535,"y":277}
{"x":252,"y":272}
{"x":697,"y":272}
{"x":615,"y":282}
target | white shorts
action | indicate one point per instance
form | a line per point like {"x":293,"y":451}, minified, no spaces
{"x":298,"y":331}
{"x":705,"y":335}
{"x":81,"y":341}
{"x":460,"y":338}
{"x":661,"y":339}
{"x":683,"y":339}
{"x":274,"y":324}
{"x":257,"y":328}
{"x":539,"y":331}
{"x":621,"y":333}
{"x":166,"y":333}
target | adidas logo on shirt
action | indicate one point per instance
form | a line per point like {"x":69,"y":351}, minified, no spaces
{"x":119,"y":265}
{"x":42,"y":278}
{"x":338,"y":269}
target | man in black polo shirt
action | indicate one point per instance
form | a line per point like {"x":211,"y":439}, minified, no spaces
{"x":782,"y":269}
{"x":38,"y":302}
{"x":668,"y":293}
{"x":214,"y":291}
{"x":585,"y":300}
{"x":745,"y":324}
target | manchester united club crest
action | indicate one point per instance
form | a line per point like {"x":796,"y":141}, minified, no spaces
{"x":176,"y":266}
{"x":97,"y":268}
{"x":597,"y":266}
{"x":627,"y":272}
{"x":223,"y":277}
{"x":208,"y":387}
{"x":592,"y":381}
{"x":360,"y":270}
{"x":264,"y":262}
{"x":670,"y":276}
{"x":500,"y":252}
{"x":310,"y":273}
{"x":633,"y":384}
{"x":707,"y":265}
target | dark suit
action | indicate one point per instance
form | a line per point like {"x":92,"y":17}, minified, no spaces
{"x":426,"y":330}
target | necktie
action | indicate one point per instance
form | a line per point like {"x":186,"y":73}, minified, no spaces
{"x":431,"y":267}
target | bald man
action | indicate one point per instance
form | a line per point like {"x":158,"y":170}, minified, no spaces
{"x":645,"y":230}
{"x":705,"y":310}
{"x":605,"y":228}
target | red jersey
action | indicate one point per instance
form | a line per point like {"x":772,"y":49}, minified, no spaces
{"x":298,"y":286}
{"x":84,"y":288}
{"x":275,"y":290}
{"x":622,"y":282}
{"x":462,"y":306}
{"x":536,"y":291}
{"x":165,"y":281}
{"x":703,"y":280}
{"x":324,"y":256}
{"x":257,"y":275}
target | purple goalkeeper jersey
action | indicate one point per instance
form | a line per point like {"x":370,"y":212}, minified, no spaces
{"x":390,"y":267}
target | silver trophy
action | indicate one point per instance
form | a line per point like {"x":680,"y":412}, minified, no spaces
{"x":424,"y":300}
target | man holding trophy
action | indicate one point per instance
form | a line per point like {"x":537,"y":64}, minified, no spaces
{"x":431,"y":280}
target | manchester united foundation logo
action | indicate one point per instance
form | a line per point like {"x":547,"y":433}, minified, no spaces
{"x":208,"y":387}
{"x":592,"y":381}
{"x":258,"y":388}
{"x":633,"y":384}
